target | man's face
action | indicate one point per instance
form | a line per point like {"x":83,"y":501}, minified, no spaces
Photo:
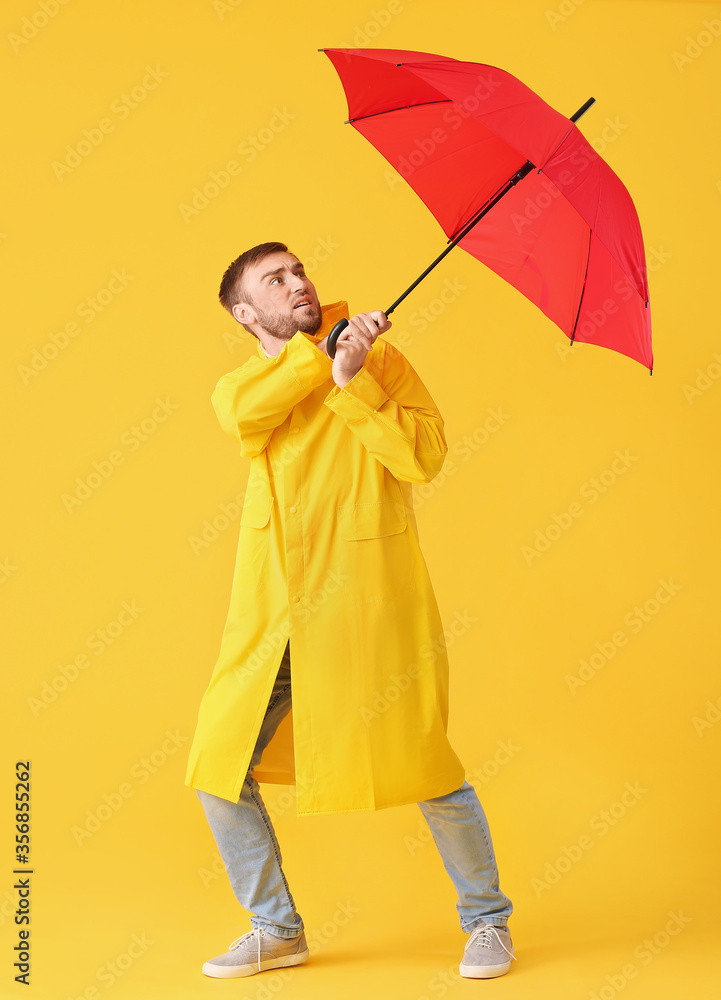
{"x":281,"y":297}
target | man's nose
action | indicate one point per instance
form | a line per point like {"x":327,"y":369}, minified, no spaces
{"x":301,"y":285}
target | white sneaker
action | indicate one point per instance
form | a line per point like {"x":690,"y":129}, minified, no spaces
{"x":256,"y":951}
{"x":488,"y":952}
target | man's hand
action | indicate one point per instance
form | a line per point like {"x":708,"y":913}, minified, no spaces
{"x":355,"y":342}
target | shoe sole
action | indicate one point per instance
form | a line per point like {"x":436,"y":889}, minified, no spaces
{"x":238,"y":971}
{"x":483,"y":971}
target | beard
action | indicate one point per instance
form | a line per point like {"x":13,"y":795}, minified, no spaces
{"x":284,"y":326}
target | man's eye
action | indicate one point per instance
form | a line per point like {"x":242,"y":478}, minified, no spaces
{"x":274,"y":279}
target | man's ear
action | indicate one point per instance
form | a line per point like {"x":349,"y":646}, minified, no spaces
{"x":244,"y":313}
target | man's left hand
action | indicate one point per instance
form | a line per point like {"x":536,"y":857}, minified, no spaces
{"x":355,"y":342}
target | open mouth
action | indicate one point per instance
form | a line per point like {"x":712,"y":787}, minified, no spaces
{"x":303,"y":302}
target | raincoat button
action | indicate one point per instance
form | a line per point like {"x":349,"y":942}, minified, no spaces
{"x":296,"y":429}
{"x":295,"y":597}
{"x":292,"y":510}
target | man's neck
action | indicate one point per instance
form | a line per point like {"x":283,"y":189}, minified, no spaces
{"x":331,"y":313}
{"x":275,"y":345}
{"x":272,"y":346}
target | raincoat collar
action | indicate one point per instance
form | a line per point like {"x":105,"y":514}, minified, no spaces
{"x":330,"y":315}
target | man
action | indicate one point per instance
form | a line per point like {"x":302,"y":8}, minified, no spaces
{"x":329,"y":563}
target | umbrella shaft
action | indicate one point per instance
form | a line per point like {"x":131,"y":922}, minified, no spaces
{"x":511,"y":182}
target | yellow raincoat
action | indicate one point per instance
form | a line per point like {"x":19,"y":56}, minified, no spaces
{"x":328,"y":557}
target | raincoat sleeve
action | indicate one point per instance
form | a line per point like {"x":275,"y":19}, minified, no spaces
{"x":253,"y":400}
{"x":394,"y":416}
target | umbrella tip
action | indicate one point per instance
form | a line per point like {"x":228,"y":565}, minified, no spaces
{"x":583,"y":109}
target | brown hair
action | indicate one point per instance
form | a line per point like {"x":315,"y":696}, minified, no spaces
{"x":231,"y":287}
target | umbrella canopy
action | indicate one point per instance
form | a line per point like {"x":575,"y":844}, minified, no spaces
{"x":565,"y":234}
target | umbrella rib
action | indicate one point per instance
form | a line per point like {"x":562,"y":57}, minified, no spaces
{"x":588,"y":257}
{"x":389,"y":111}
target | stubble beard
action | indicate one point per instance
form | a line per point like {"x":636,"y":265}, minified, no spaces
{"x":284,"y":327}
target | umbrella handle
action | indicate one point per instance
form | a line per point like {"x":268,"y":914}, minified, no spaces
{"x":335,"y":334}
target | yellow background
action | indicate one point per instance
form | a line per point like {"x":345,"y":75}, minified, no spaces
{"x":645,"y":717}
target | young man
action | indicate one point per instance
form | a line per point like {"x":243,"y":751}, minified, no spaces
{"x":329,"y":562}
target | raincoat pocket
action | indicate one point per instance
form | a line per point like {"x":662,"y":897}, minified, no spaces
{"x":376,"y":550}
{"x":253,"y":542}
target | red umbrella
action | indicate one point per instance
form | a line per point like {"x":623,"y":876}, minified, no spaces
{"x":513,"y":182}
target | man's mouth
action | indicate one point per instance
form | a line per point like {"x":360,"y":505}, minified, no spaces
{"x":303,"y":302}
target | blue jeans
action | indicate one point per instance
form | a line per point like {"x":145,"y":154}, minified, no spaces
{"x":251,"y":854}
